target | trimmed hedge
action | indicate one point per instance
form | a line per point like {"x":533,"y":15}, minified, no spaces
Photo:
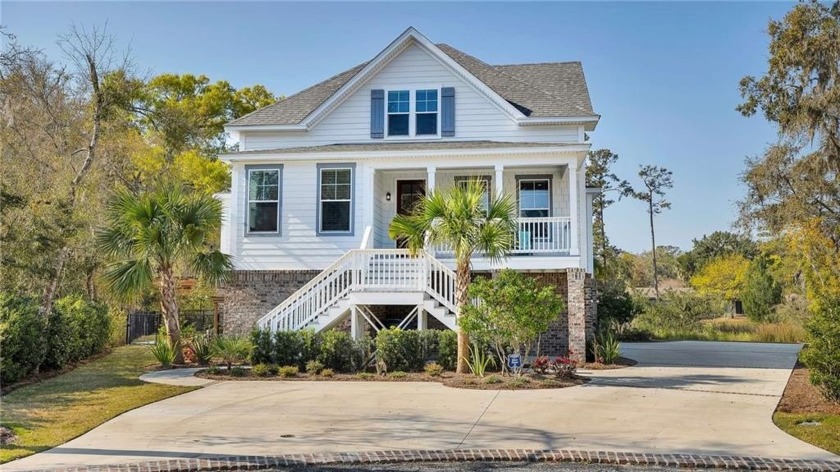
{"x":400,"y":350}
{"x":74,"y":330}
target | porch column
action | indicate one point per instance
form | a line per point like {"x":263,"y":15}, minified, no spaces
{"x":500,"y":179}
{"x":574,"y":205}
{"x":430,"y":180}
{"x":355,"y":323}
{"x":422,"y":318}
{"x":369,"y":200}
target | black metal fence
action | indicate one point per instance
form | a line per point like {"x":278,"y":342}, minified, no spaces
{"x":146,"y":323}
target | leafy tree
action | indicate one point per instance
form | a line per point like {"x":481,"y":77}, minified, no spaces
{"x":723,"y":277}
{"x":655,"y":180}
{"x":793,"y":188}
{"x":615,"y":305}
{"x":514,"y":310}
{"x":761,"y":292}
{"x":823,"y":353}
{"x":154,"y":234}
{"x":458,"y":218}
{"x":712,"y":247}
{"x":599,"y":175}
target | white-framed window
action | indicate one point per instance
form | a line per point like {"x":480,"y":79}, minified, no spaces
{"x":335,"y":199}
{"x":426,"y":112}
{"x":534,"y":197}
{"x":399,"y":111}
{"x":412,"y":113}
{"x":264,"y":199}
{"x":483,"y":181}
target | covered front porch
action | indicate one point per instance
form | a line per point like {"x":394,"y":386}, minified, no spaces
{"x":548,"y":206}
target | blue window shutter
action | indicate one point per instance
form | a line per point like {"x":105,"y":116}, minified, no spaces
{"x":447,"y":109}
{"x":377,"y":113}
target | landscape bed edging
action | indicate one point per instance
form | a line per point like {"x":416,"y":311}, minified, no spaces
{"x":470,"y":455}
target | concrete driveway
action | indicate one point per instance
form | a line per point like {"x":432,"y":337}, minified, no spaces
{"x":683,"y":397}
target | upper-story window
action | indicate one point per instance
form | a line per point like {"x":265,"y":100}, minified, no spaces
{"x":398,"y":112}
{"x":413,"y":114}
{"x":264,"y":199}
{"x":426,"y":108}
{"x":335,"y":199}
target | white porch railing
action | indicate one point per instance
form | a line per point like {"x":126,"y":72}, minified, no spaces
{"x":549,"y":235}
{"x":384,"y":270}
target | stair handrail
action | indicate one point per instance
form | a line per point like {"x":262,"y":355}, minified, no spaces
{"x":445,"y":297}
{"x":297,"y":296}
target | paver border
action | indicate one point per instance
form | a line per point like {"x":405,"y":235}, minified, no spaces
{"x":695,"y":461}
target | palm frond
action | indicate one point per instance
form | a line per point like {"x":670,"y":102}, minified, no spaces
{"x":128,"y":279}
{"x":212,"y":266}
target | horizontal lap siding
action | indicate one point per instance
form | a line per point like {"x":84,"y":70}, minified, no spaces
{"x":476,"y":118}
{"x":297,"y":247}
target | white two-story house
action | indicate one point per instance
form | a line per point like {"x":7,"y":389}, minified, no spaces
{"x":319,"y":176}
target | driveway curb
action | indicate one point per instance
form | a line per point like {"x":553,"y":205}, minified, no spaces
{"x":468,"y":455}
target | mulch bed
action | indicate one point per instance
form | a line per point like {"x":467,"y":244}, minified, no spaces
{"x":491,"y":380}
{"x":802,"y":397}
{"x":620,"y":363}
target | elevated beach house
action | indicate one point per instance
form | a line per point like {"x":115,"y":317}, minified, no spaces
{"x":319,"y":176}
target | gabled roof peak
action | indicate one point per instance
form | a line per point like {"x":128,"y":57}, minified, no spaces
{"x":537,"y":90}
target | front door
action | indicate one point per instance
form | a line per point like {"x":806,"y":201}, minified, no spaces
{"x":409,"y":193}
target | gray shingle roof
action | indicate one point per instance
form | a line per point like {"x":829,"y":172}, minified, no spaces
{"x":553,"y":89}
{"x":405,"y":146}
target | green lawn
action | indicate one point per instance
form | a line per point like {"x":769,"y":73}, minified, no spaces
{"x":825,"y":435}
{"x":52,"y":412}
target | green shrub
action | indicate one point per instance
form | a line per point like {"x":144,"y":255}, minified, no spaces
{"x":823,"y":353}
{"x":607,"y":349}
{"x":231,"y":349}
{"x":327,"y":373}
{"x":314,"y":367}
{"x":238,"y":372}
{"x":287,"y":347}
{"x":310,"y":346}
{"x":398,"y":374}
{"x":676,"y":314}
{"x":365,"y":376}
{"x":448,"y":349}
{"x":202,"y":348}
{"x":260,"y":370}
{"x":336,"y":350}
{"x":288,"y":371}
{"x":22,"y":340}
{"x":400,"y":350}
{"x":615,"y":305}
{"x":433,"y":369}
{"x":761,"y":292}
{"x":263,"y":346}
{"x":213,"y":370}
{"x":77,"y":329}
{"x":362,"y":352}
{"x":493,"y":379}
{"x":163,"y":351}
{"x":519,"y":382}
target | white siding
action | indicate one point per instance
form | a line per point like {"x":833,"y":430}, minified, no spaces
{"x":297,"y":247}
{"x":476,"y":118}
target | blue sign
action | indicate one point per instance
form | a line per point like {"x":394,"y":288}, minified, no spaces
{"x":514,"y":361}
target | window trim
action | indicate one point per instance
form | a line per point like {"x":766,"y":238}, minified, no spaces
{"x":248,"y":170}
{"x":352,"y":167}
{"x":526,"y":177}
{"x":412,"y":114}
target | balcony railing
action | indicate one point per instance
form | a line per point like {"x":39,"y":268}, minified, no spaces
{"x":535,"y":236}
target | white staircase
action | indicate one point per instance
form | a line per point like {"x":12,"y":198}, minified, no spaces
{"x":368,"y":277}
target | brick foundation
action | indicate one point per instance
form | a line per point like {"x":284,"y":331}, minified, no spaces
{"x":250,"y":294}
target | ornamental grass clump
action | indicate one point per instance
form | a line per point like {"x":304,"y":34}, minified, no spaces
{"x":163,"y":351}
{"x":231,"y":349}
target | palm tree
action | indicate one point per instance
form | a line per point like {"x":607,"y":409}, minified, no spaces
{"x":460,"y":219}
{"x":156,"y":233}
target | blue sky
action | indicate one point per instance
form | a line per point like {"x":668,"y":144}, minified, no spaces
{"x":663,"y":76}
